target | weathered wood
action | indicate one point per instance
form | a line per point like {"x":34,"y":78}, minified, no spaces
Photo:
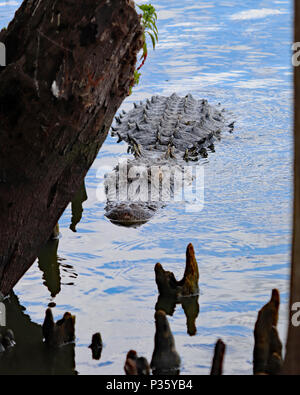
{"x":31,"y":356}
{"x":188,"y":286}
{"x":267,"y":354}
{"x":190,"y":305}
{"x":70,"y":64}
{"x":59,"y":333}
{"x":292,"y":359}
{"x":135,"y":365}
{"x":165,"y":358}
{"x":76,"y":206}
{"x":218,"y":359}
{"x":96,"y":346}
{"x":50,"y":266}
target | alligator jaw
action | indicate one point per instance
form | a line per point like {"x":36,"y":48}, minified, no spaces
{"x":129,"y":214}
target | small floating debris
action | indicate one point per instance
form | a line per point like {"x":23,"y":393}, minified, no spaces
{"x":96,"y":346}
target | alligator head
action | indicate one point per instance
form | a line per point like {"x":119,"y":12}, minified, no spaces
{"x":132,"y":214}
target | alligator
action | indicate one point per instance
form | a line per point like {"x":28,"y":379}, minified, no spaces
{"x":165,"y":134}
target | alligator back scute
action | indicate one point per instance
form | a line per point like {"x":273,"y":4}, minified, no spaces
{"x":180,"y":127}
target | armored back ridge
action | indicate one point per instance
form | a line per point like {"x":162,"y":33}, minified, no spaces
{"x":166,"y":132}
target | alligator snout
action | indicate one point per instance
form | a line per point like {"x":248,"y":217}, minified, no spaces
{"x":129,"y":215}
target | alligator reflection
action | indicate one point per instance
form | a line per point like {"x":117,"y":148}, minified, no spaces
{"x":76,"y":206}
{"x":31,"y":355}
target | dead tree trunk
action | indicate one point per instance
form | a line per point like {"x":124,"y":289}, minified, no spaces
{"x":292,"y":359}
{"x":69,"y":66}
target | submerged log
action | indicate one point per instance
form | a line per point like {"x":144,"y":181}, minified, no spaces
{"x":70,"y":64}
{"x":188,"y":286}
{"x":292,"y":358}
{"x":267,"y":356}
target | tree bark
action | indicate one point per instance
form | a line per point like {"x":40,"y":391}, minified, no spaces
{"x":292,"y":359}
{"x":70,"y":64}
{"x":218,"y":359}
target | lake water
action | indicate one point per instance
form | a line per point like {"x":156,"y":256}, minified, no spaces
{"x":228,"y":51}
